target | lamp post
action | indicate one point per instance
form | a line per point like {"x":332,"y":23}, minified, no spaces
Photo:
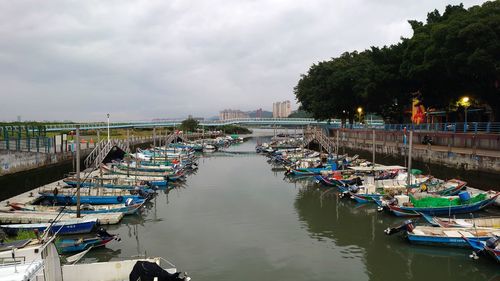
{"x":360,"y":111}
{"x":465,"y":102}
{"x":108,"y":127}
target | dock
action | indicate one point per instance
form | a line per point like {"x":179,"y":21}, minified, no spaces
{"x":7,"y":216}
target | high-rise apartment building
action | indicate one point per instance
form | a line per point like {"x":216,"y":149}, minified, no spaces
{"x":231,"y":114}
{"x":282,"y":109}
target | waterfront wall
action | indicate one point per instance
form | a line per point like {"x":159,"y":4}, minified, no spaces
{"x":460,"y":151}
{"x":17,"y":161}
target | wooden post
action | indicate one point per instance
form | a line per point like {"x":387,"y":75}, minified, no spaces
{"x":77,"y":141}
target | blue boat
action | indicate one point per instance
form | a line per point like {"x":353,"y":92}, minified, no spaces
{"x":365,"y":198}
{"x":92,"y":200}
{"x":144,"y":184}
{"x":63,"y":227}
{"x":403,"y":211}
{"x":442,"y":236}
{"x":309,"y":171}
{"x":66,"y":246}
{"x":490,"y":246}
{"x":451,"y":237}
{"x":128,"y":208}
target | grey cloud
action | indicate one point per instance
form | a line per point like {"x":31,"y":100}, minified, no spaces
{"x":144,"y":59}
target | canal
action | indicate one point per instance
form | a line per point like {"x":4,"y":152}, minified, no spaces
{"x":238,"y":219}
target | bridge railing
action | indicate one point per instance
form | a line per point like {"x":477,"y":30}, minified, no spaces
{"x":171,"y":123}
{"x":469,"y":127}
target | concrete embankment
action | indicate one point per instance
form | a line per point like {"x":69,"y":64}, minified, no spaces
{"x":17,"y":161}
{"x":460,"y":153}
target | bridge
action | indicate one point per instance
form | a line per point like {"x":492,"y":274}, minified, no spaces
{"x":177,"y":122}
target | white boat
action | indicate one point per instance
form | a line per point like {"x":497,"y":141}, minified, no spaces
{"x":45,"y":265}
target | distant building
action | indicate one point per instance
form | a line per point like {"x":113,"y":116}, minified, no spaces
{"x":258,"y":113}
{"x":195,"y":118}
{"x":282,"y":109}
{"x":231,"y":114}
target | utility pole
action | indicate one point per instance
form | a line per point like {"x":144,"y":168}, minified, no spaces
{"x":108,"y":129}
{"x":373,"y":148}
{"x":409,"y":159}
{"x":77,"y":140}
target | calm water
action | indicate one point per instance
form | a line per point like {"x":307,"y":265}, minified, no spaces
{"x":237,"y":219}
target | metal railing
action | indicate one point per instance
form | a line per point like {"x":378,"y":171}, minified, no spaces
{"x":174,"y":123}
{"x":469,"y":127}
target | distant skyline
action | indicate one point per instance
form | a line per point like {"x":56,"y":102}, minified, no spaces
{"x":145,"y":59}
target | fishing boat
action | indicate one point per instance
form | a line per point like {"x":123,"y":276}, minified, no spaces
{"x":72,"y":245}
{"x":435,"y":206}
{"x":442,"y":236}
{"x":145,"y":168}
{"x":92,"y":200}
{"x":128,"y":208}
{"x":63,"y":227}
{"x":490,"y":247}
{"x":310,"y":171}
{"x":169,"y":176}
{"x":161,"y":181}
{"x":493,"y":222}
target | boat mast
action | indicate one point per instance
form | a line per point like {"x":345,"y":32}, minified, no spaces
{"x":77,"y":171}
{"x":409,"y":159}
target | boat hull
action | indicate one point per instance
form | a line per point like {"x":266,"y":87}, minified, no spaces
{"x":93,"y":200}
{"x":62,"y":228}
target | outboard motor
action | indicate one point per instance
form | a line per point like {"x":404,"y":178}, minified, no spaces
{"x":407,"y":225}
{"x":102,"y":233}
{"x":129,"y":202}
{"x":493,"y":242}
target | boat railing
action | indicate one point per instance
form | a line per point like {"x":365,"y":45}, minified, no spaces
{"x":11,"y":261}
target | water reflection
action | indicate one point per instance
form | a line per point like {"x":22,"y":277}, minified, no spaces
{"x":359,"y":230}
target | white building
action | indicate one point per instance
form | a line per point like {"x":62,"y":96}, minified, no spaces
{"x":282,"y":109}
{"x":231,"y":114}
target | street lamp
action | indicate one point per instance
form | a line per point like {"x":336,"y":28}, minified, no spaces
{"x":360,"y":111}
{"x":108,"y":127}
{"x":465,"y":102}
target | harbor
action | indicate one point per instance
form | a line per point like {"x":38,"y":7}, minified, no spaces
{"x":225,"y":222}
{"x":250,"y":140}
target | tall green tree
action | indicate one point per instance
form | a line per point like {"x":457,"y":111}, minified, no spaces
{"x":189,"y":125}
{"x":449,"y":56}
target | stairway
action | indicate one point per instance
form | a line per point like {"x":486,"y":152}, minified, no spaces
{"x":315,"y":133}
{"x":174,"y":136}
{"x":102,"y":149}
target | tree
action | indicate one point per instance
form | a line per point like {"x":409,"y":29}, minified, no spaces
{"x":449,"y":56}
{"x":189,"y":125}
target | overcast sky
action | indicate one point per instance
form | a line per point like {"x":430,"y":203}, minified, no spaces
{"x":137,"y":60}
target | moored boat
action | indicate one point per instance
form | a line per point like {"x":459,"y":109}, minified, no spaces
{"x":72,"y":245}
{"x":62,"y":227}
{"x":436,"y":206}
{"x":442,"y":236}
{"x":493,"y":222}
{"x":128,"y":208}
